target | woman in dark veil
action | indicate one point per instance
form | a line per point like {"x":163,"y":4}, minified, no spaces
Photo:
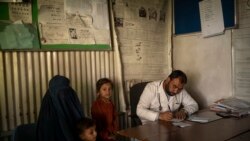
{"x":60,"y":110}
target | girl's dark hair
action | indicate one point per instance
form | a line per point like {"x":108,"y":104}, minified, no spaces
{"x":102,"y":81}
{"x":83,"y":124}
{"x":178,"y":74}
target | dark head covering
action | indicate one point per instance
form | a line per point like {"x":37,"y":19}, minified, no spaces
{"x":60,"y":110}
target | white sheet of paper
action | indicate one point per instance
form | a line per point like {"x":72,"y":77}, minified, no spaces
{"x":212,"y":22}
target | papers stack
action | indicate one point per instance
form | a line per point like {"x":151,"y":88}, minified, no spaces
{"x":233,"y":106}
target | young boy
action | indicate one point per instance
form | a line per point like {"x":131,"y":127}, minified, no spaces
{"x":86,"y":129}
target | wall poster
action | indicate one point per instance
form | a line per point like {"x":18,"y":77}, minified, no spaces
{"x":74,"y":23}
{"x":144,"y":36}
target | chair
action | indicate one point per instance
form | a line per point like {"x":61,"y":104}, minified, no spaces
{"x":25,"y":132}
{"x":135,"y":93}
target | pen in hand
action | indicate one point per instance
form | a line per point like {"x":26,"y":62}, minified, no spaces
{"x":166,"y":116}
{"x":169,"y":108}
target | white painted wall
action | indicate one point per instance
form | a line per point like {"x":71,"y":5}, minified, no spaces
{"x":207,"y":63}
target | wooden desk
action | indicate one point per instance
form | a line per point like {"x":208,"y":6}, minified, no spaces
{"x":219,"y":130}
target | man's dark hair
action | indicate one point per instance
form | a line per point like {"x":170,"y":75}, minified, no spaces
{"x":102,"y":81}
{"x":178,"y":74}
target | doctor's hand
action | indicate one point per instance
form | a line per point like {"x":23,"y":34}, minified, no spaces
{"x":180,"y":114}
{"x":167,"y":116}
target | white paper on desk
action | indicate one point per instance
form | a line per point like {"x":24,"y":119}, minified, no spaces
{"x":212,"y":22}
{"x":181,"y":124}
{"x":198,"y":119}
{"x":176,"y":120}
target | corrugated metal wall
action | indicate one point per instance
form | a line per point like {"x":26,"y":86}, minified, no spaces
{"x":24,"y":78}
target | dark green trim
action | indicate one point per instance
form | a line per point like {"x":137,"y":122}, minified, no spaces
{"x":4,"y":11}
{"x":34,"y":11}
{"x":75,"y":47}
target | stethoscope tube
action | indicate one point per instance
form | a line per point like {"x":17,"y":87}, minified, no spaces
{"x":159,"y":97}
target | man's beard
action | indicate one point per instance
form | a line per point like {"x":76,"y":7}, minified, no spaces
{"x":169,"y":93}
{"x":167,"y":90}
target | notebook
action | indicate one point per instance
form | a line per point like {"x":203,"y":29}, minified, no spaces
{"x":204,"y":117}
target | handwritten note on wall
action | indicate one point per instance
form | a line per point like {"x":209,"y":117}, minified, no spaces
{"x":211,"y":16}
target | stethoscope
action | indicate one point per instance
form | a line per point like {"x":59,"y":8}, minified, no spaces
{"x":159,"y":97}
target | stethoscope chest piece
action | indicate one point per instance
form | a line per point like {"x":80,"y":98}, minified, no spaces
{"x":160,"y":108}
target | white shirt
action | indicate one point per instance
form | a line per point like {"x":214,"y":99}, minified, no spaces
{"x":153,"y":97}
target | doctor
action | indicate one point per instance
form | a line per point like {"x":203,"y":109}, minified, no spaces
{"x":166,"y":99}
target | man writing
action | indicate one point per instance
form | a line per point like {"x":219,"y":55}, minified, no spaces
{"x":162,"y":99}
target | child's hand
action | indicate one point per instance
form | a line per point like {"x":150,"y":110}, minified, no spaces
{"x":111,"y":138}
